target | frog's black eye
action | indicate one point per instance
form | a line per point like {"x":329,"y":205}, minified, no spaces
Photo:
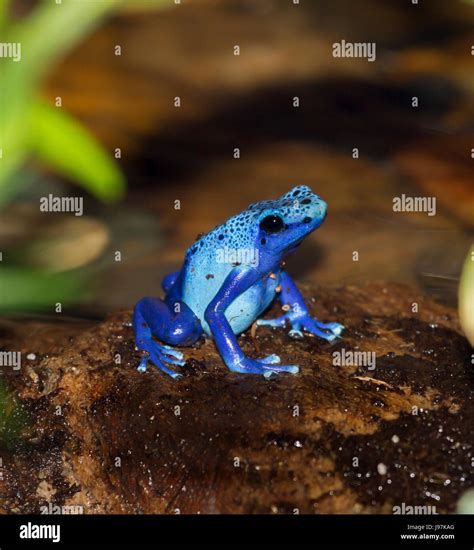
{"x":272,"y":224}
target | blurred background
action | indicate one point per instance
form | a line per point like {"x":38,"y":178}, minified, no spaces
{"x":134,"y":105}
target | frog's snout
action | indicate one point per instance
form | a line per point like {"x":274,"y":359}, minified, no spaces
{"x":317,"y":210}
{"x":321,"y":208}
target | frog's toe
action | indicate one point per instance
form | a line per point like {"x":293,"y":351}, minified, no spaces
{"x":278,"y":322}
{"x":167,"y":354}
{"x":261,"y":366}
{"x":272,"y":366}
{"x":335,"y":328}
{"x":293,"y":369}
{"x":155,"y":360}
{"x":270,"y":360}
{"x":172,"y":361}
{"x":295,"y":333}
{"x":313,"y":327}
{"x":143,"y":364}
{"x":168,"y":350}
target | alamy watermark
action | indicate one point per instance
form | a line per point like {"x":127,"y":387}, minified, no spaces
{"x":34,"y":531}
{"x":237,"y":256}
{"x":54,"y":509}
{"x":10,"y":359}
{"x":415,"y":204}
{"x":10,"y":50}
{"x":62,"y":204}
{"x":365,"y":50}
{"x":409,"y":510}
{"x":349,"y":358}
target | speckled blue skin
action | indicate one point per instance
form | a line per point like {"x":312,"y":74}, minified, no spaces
{"x":229,"y":278}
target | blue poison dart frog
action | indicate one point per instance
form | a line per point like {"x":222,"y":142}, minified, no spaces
{"x":228,"y":279}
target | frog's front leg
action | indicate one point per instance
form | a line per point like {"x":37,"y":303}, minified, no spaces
{"x":298,"y":316}
{"x":237,"y":282}
{"x":172,"y":322}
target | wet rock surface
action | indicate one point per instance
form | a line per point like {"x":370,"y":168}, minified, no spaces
{"x":332,"y":439}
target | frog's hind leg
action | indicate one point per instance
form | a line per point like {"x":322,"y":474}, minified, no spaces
{"x":169,"y":280}
{"x":173,"y":323}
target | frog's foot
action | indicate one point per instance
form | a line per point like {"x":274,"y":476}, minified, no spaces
{"x":266,"y":366}
{"x":160,"y":355}
{"x":328,"y":331}
{"x":304,"y":322}
{"x":335,"y":328}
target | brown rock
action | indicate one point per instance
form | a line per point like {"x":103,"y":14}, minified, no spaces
{"x":332,"y":439}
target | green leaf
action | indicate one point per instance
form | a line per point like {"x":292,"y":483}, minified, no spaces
{"x":52,"y":30}
{"x":27,"y":290}
{"x":64,"y":144}
{"x":46,"y":36}
{"x":147,"y":5}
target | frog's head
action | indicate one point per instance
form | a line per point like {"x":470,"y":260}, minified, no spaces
{"x":284,"y":223}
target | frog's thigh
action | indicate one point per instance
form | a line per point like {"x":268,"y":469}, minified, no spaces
{"x":173,"y":322}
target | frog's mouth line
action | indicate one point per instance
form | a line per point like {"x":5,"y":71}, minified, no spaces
{"x":294,"y":246}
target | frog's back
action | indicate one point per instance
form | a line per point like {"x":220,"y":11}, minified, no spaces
{"x":209,"y":261}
